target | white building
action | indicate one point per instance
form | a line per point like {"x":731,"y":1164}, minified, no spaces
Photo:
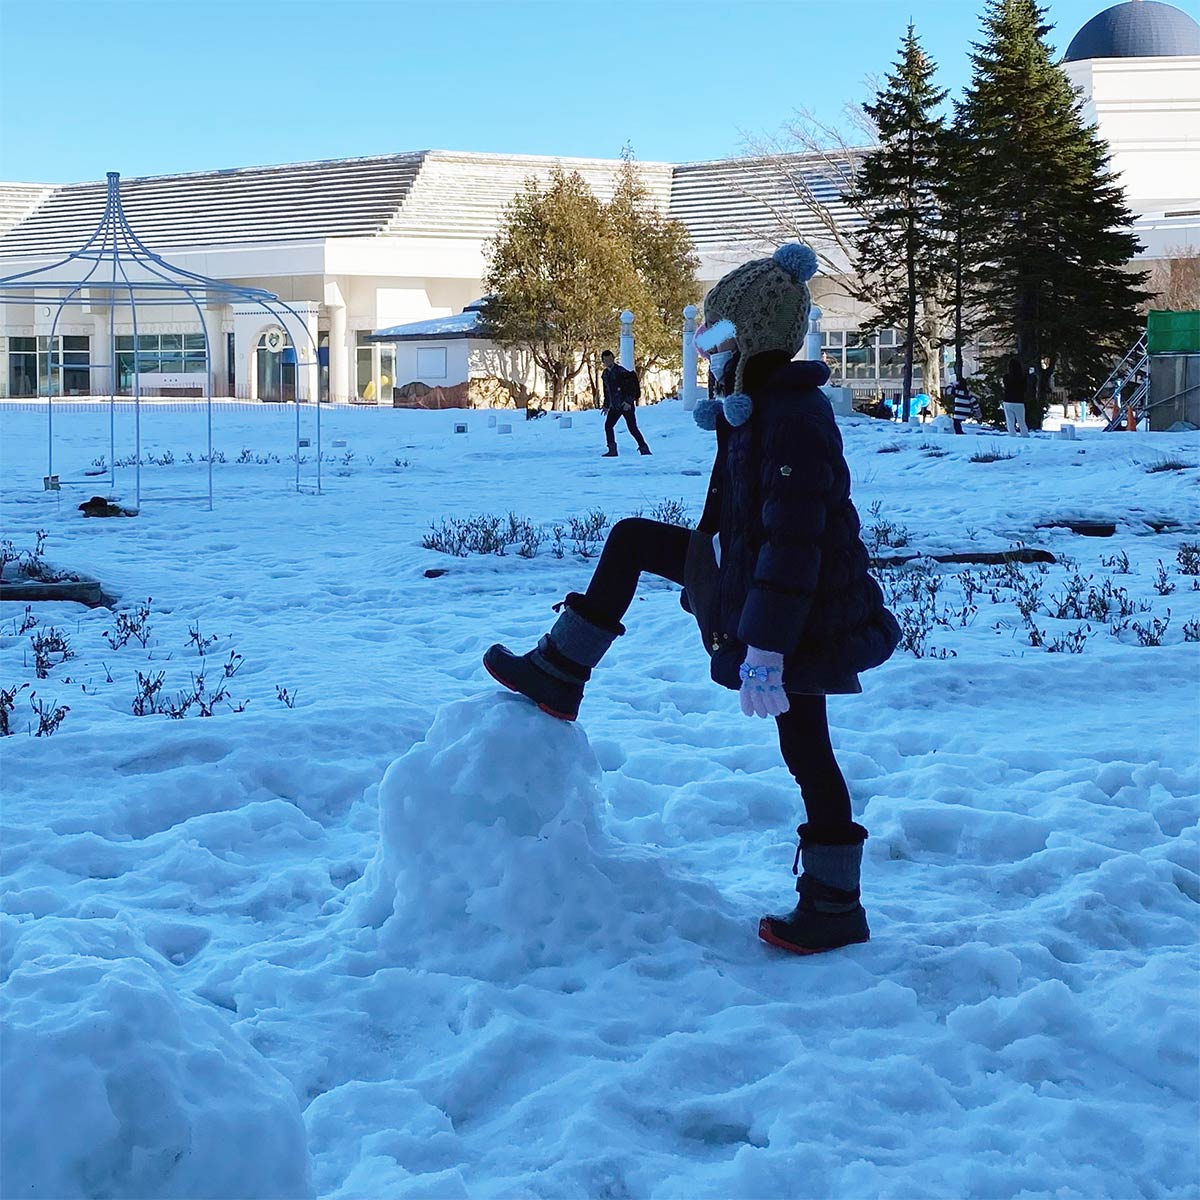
{"x":357,"y":245}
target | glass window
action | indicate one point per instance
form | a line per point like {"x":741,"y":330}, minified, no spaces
{"x":363,"y":354}
{"x":148,"y":341}
{"x":193,"y":341}
{"x":124,"y":342}
{"x":172,"y":363}
{"x":125,"y":370}
{"x":75,"y":342}
{"x":387,"y":371}
{"x":170,"y":341}
{"x":22,"y":369}
{"x":22,"y":344}
{"x":860,"y":356}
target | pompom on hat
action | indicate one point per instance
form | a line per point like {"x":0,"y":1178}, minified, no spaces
{"x":768,"y":302}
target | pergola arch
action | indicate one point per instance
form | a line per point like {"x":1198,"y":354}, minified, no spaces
{"x":115,"y":271}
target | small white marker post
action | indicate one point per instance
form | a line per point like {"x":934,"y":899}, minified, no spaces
{"x":688,"y":392}
{"x":491,"y":420}
{"x":460,"y":427}
{"x":564,"y":423}
{"x":626,"y":347}
{"x":504,"y":429}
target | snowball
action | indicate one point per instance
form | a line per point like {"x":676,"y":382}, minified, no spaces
{"x":117,"y":1085}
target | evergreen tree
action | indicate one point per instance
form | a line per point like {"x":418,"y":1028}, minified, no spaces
{"x":1053,"y":243}
{"x":900,"y":251}
{"x":960,"y":229}
{"x":557,"y":274}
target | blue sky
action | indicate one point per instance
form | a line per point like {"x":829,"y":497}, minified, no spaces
{"x":157,"y":86}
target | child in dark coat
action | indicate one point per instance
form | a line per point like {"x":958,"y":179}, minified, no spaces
{"x":776,"y":576}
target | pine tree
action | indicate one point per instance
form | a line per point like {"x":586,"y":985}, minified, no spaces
{"x":900,"y":250}
{"x":960,"y":230}
{"x":1053,"y":243}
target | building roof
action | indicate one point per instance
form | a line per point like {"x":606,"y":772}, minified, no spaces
{"x":759,"y":200}
{"x":1136,"y":29}
{"x":465,"y":324}
{"x":423,"y":194}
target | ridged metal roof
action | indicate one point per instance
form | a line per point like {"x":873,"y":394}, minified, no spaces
{"x":429,"y":193}
{"x":353,"y":197}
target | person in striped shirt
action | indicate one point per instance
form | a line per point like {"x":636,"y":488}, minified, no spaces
{"x":965,"y":404}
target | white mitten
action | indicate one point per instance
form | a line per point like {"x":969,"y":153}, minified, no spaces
{"x":762,"y":693}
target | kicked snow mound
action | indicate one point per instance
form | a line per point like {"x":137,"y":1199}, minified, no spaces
{"x":116,"y":1085}
{"x":494,"y":858}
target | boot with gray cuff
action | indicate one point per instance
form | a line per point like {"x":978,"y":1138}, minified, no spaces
{"x":829,"y":914}
{"x":552,"y":674}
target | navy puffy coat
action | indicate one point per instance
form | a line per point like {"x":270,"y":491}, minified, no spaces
{"x":794,"y":572}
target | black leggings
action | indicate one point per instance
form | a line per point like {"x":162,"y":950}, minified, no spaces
{"x":635,"y":545}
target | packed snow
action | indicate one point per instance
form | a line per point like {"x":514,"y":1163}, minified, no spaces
{"x":378,"y":929}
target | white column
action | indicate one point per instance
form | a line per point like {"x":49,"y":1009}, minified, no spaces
{"x":339,"y":368}
{"x":218,"y":355}
{"x":376,"y":367}
{"x":626,"y":354}
{"x":687,"y":390}
{"x":812,"y":343}
{"x":102,"y":351}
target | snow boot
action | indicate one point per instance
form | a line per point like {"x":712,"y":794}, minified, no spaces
{"x":552,"y":675}
{"x":609,"y":454}
{"x":829,"y":914}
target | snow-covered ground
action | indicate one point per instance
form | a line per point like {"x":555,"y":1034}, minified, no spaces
{"x":411,"y":938}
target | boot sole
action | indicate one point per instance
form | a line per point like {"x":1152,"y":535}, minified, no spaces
{"x":545,"y":708}
{"x":765,"y":934}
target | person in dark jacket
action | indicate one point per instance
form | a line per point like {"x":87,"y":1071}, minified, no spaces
{"x":776,"y":576}
{"x":622,"y":390}
{"x":1016,"y":389}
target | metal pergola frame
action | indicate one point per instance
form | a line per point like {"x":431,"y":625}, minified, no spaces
{"x":114,"y":269}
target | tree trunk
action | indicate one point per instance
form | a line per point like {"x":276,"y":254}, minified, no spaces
{"x":910,"y":332}
{"x":958,"y":302}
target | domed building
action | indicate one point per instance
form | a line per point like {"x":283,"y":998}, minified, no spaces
{"x":1137,"y":65}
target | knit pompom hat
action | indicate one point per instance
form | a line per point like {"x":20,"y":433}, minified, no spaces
{"x":767,"y":301}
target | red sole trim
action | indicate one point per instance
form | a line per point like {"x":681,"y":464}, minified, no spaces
{"x":764,"y":932}
{"x":504,"y":683}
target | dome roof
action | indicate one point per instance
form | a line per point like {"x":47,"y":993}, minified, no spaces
{"x":1136,"y":29}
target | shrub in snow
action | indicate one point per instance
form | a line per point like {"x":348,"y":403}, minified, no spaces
{"x":116,"y":1085}
{"x":493,"y":859}
{"x":1188,"y":558}
{"x":130,"y":626}
{"x":1162,"y":582}
{"x":1152,"y":633}
{"x":1167,"y":463}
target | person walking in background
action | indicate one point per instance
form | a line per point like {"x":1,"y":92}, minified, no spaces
{"x":776,"y":576}
{"x":965,"y":406}
{"x":1015,"y":389}
{"x":622,"y":390}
